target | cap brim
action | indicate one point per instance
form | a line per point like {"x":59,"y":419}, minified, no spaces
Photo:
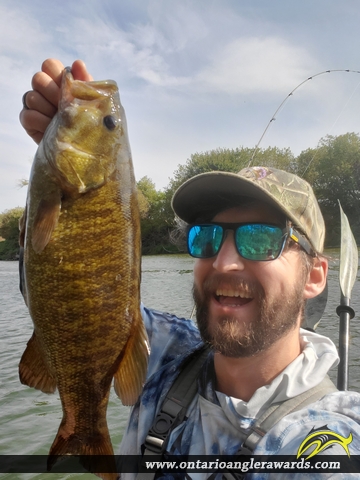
{"x":214,"y":191}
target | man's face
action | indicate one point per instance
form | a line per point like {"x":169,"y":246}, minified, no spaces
{"x":244,"y":306}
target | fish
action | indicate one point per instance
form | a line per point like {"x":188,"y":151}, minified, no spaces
{"x":80,"y":267}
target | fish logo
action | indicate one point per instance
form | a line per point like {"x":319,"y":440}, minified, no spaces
{"x":321,"y":439}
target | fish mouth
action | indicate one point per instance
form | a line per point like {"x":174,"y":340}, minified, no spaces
{"x":67,"y":146}
{"x":229,"y":297}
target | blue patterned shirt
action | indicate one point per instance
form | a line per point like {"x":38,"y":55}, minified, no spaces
{"x":216,"y":423}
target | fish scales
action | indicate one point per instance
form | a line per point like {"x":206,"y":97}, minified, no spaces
{"x":82,"y":283}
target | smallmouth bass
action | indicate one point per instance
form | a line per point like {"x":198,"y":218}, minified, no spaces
{"x":80,"y":267}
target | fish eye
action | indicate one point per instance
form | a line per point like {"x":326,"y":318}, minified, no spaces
{"x":109,"y":122}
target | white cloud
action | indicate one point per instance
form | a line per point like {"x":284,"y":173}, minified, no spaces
{"x":174,"y":47}
{"x":19,"y":33}
{"x":257,"y":65}
{"x":161,"y":53}
{"x":192,"y":75}
{"x":181,"y":25}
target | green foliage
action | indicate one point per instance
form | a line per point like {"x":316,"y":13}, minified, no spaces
{"x":227,"y":160}
{"x":9,"y":231}
{"x":154,"y":230}
{"x":334,"y":173}
{"x":333,"y":169}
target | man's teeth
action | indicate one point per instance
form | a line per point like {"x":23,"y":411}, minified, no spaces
{"x":232,"y":293}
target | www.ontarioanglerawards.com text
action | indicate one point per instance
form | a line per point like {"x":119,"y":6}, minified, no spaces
{"x":250,"y":465}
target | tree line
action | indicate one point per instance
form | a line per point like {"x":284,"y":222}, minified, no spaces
{"x":332,"y":168}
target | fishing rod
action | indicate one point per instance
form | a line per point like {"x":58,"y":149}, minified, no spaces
{"x":315,"y":307}
{"x":273,"y":118}
{"x":348,"y":267}
{"x":349,"y":260}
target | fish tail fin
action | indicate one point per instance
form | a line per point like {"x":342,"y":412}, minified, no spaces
{"x":130,"y":376}
{"x":33,"y":370}
{"x":95,"y":451}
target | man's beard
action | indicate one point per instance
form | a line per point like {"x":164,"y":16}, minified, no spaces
{"x":237,"y":338}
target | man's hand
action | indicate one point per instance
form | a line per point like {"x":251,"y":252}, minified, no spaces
{"x":42,"y":101}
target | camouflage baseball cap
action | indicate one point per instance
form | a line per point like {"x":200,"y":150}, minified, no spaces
{"x":214,"y":191}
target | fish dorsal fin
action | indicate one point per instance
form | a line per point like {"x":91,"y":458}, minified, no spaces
{"x":131,"y":374}
{"x":45,"y":221}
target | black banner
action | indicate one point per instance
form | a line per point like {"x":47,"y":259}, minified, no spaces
{"x":178,"y":465}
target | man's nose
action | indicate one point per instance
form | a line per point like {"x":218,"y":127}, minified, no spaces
{"x":228,"y":258}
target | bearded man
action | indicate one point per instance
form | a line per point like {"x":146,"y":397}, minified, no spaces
{"x":258,"y":239}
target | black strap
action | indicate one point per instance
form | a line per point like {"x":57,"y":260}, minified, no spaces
{"x":181,"y":394}
{"x":177,"y":401}
{"x":173,"y":409}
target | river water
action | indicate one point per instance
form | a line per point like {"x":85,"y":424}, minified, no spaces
{"x":29,"y":419}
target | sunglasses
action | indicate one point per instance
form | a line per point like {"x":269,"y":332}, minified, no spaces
{"x":254,"y":241}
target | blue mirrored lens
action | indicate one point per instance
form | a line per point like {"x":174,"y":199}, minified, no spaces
{"x":259,"y":242}
{"x":204,"y":241}
{"x":253,"y":241}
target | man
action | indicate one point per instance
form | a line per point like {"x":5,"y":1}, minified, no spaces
{"x":258,"y":239}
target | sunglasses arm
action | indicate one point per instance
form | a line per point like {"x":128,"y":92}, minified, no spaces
{"x":302,"y":241}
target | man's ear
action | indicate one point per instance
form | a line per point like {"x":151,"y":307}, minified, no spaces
{"x":316,"y":280}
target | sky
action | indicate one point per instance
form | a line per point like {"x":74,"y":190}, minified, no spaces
{"x":193,"y":75}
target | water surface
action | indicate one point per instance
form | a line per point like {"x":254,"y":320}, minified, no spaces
{"x":29,"y":419}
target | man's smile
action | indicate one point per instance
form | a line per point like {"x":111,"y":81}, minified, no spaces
{"x":229,"y":297}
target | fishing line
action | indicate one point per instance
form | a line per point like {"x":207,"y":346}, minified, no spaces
{"x":273,"y":118}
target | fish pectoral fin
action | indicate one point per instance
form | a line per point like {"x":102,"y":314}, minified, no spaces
{"x":33,"y":370}
{"x":45,"y":221}
{"x":130,"y":376}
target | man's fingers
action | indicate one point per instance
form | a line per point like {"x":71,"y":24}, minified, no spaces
{"x":46,"y":87}
{"x":53,"y":68}
{"x":34,"y":123}
{"x":47,"y":84}
{"x":42,"y":102}
{"x":80,"y":72}
{"x":48,"y":81}
{"x":41,"y":105}
{"x":35,"y":101}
